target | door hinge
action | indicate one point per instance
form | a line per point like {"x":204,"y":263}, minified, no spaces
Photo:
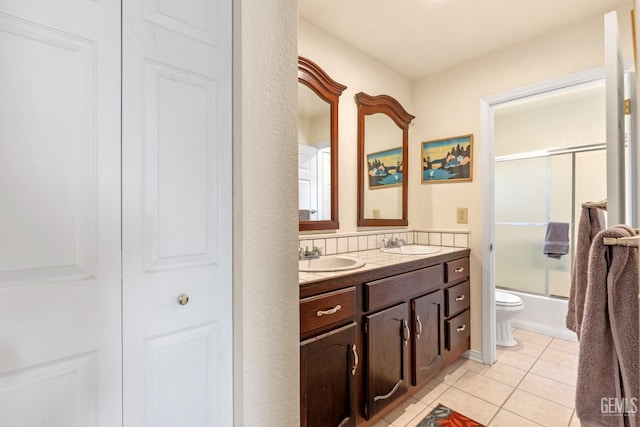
{"x":627,"y":107}
{"x":365,"y":327}
{"x":366,"y":411}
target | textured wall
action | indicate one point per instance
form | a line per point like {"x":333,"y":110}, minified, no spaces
{"x":266,"y":320}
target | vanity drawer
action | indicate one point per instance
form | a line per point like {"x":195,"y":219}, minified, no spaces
{"x":384,"y":292}
{"x":457,"y":329}
{"x":456,"y":298}
{"x":324,"y":309}
{"x":457,"y":269}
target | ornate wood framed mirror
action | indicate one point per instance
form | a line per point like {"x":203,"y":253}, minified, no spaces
{"x":383,"y":135}
{"x":318,"y":96}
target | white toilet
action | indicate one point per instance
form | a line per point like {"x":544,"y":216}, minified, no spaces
{"x":508,"y":306}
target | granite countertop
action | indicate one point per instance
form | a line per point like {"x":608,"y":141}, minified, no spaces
{"x":373,"y":259}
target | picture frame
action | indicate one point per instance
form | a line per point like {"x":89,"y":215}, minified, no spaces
{"x":447,"y":160}
{"x":385,"y":168}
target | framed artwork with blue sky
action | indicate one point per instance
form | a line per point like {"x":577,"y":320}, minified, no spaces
{"x":447,"y":160}
{"x":385,"y":168}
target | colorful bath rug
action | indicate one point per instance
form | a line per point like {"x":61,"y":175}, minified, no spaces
{"x":442,"y":416}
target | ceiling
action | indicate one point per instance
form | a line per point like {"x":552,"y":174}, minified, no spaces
{"x":421,"y":37}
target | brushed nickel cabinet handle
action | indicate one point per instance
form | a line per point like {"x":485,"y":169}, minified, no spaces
{"x":406,"y":332}
{"x":458,"y":270}
{"x":333,"y":310}
{"x":418,"y":327}
{"x":355,"y":360}
{"x":460,"y":298}
{"x":461,"y":328}
{"x":183,"y":299}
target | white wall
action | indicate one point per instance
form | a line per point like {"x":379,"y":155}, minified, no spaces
{"x":360,"y":73}
{"x":448,"y":104}
{"x":266,"y":319}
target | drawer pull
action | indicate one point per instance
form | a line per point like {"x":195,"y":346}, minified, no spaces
{"x":333,"y":310}
{"x":458,"y":270}
{"x":461,"y":328}
{"x":460,"y":298}
{"x":418,"y":327}
{"x":355,"y":360}
{"x":406,"y":332}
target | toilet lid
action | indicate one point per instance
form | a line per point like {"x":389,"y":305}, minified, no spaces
{"x":505,"y":298}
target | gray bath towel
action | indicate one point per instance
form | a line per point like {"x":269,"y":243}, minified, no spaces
{"x":590,"y":224}
{"x":608,"y":367}
{"x":556,"y":240}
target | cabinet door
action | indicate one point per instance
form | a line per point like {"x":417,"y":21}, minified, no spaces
{"x":427,"y":336}
{"x":387,"y":337}
{"x":328,"y":367}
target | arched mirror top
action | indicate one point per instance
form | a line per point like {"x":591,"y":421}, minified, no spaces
{"x":384,"y":104}
{"x":316,"y":78}
{"x":318,"y":96}
{"x":383,"y":138}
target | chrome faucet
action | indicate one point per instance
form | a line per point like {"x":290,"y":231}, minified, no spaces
{"x":393,"y":243}
{"x":309,"y":254}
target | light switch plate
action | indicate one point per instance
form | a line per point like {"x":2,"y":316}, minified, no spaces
{"x":462,"y":215}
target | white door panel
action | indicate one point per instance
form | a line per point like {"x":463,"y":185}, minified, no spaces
{"x":60,"y":282}
{"x":177,"y":213}
{"x":308,"y":179}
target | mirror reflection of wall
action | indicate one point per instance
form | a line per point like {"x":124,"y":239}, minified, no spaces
{"x":314,"y":156}
{"x":383,"y":193}
{"x":318,"y":97}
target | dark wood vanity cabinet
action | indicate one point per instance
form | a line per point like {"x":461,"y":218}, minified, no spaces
{"x":387,"y":337}
{"x":369,"y":339}
{"x":328,"y":368}
{"x":329,"y":359}
{"x":457,"y":317}
{"x":427,"y":337}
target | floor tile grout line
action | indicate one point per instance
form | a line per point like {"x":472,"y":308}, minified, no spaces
{"x":527,"y":371}
{"x":537,"y":358}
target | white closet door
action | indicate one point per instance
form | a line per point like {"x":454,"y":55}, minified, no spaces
{"x":177,"y":213}
{"x":60,"y":319}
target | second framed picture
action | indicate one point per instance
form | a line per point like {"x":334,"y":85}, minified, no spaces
{"x":447,"y":160}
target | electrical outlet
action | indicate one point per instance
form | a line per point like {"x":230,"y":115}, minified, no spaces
{"x":376,"y":214}
{"x":462,"y":215}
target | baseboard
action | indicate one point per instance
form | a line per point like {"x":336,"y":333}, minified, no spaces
{"x":473,"y":355}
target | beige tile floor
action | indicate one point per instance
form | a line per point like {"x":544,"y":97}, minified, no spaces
{"x":531,"y":384}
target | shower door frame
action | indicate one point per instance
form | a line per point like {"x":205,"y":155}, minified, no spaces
{"x":487,"y":135}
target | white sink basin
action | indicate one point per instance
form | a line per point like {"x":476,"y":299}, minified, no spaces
{"x":412,"y":250}
{"x":330,"y":263}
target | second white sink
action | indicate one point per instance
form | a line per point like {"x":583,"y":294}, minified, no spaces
{"x":330,"y":263}
{"x":412,"y":250}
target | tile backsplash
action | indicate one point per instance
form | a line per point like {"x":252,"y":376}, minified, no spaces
{"x":332,"y":244}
